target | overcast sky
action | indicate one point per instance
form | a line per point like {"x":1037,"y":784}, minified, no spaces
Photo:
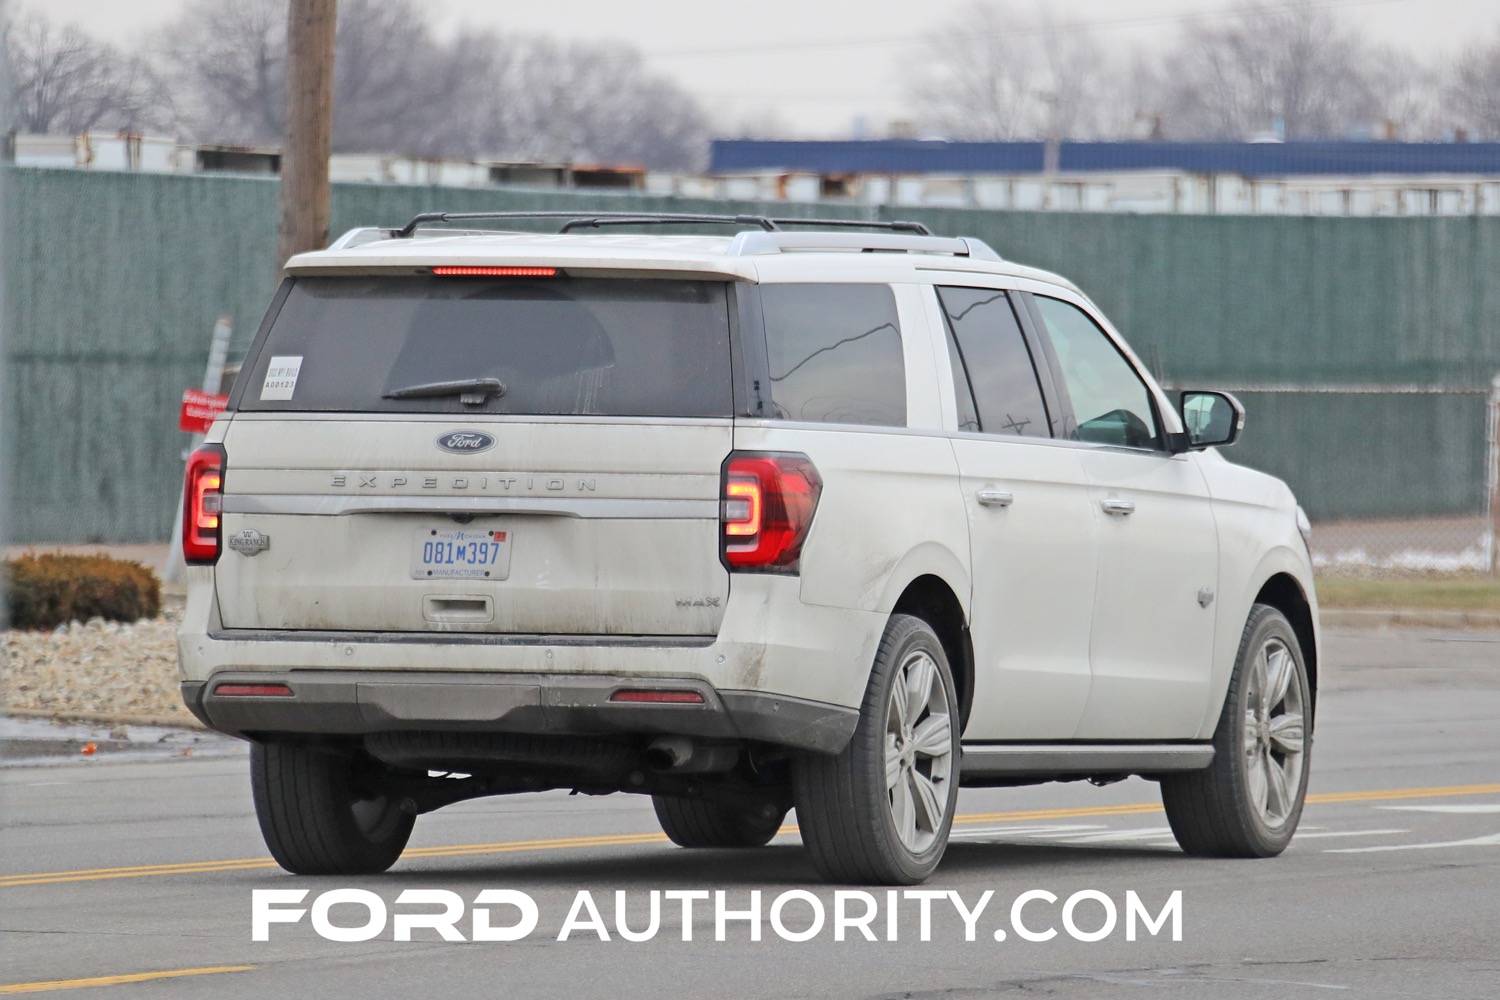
{"x":818,"y":65}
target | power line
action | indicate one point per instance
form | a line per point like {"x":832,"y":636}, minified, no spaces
{"x":1065,"y":27}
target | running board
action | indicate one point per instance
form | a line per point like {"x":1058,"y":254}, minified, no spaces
{"x":1020,"y":759}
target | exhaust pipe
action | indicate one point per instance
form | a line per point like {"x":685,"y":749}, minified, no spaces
{"x":682,"y":756}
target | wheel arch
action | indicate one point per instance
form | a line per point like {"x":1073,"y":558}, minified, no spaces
{"x":1284,"y":593}
{"x":930,"y":598}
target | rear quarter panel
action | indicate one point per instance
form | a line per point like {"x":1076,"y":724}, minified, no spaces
{"x":891,"y":508}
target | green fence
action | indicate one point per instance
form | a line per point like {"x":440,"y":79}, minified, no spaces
{"x":114,"y":282}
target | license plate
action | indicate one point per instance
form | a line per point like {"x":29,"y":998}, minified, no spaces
{"x":461,"y":555}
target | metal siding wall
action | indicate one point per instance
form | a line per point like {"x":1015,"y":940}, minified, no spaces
{"x":115,"y":280}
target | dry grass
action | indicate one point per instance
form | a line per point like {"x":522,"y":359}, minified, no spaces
{"x":1425,"y":593}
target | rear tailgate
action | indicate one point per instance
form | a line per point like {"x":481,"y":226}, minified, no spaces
{"x":598,"y":515}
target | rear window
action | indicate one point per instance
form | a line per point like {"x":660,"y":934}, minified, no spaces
{"x":559,"y":346}
{"x":835,"y":354}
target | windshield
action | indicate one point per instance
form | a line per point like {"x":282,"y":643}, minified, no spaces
{"x":581,"y":346}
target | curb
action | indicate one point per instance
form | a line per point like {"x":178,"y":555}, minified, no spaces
{"x":1368,"y":618}
{"x":106,"y":718}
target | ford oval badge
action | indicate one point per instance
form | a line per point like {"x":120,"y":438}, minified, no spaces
{"x":465,"y":442}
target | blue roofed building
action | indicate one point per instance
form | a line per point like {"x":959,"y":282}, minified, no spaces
{"x":1303,"y":178}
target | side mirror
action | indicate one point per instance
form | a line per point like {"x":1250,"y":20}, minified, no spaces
{"x":1212,"y":419}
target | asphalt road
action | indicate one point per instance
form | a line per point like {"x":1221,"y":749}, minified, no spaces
{"x":138,"y":865}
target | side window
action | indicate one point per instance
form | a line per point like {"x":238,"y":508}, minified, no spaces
{"x":1110,"y":402}
{"x":835,"y":354}
{"x":993,"y":372}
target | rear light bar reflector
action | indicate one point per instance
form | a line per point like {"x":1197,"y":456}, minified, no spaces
{"x":252,"y":691}
{"x":659,"y":697}
{"x":495,"y":272}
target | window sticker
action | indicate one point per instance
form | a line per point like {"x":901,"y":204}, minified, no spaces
{"x":281,"y":377}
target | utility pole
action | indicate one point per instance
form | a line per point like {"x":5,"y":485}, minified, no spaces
{"x":309,"y":128}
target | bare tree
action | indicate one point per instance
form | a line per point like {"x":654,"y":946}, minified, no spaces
{"x":394,"y":83}
{"x":1297,"y":67}
{"x":550,"y":100}
{"x":397,"y":88}
{"x":228,"y":71}
{"x":1475,"y":89}
{"x":1409,"y":94}
{"x":63,"y":81}
{"x":995,"y":72}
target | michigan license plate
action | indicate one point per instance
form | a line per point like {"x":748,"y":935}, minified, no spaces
{"x":461,"y":555}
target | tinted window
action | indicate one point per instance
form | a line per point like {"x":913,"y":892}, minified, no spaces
{"x":963,"y":393}
{"x":835,"y":354}
{"x":615,"y":347}
{"x":1110,"y":402}
{"x":992,"y":359}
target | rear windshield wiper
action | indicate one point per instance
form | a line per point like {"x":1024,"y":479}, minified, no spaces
{"x":470,"y":391}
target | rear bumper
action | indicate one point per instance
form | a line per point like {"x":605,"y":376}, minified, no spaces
{"x":331,"y":702}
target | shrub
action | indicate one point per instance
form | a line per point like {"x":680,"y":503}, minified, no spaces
{"x":45,"y":591}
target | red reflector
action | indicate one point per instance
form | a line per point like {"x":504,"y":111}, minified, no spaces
{"x":495,"y":272}
{"x":660,"y":697}
{"x":252,"y":690}
{"x":202,"y":505}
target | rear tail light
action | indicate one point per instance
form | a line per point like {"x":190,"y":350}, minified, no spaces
{"x":202,"y":505}
{"x":767,"y":509}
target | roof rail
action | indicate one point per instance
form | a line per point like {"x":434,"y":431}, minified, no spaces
{"x":596,"y":220}
{"x":897,"y":225}
{"x":360,"y":236}
{"x":756,"y":244}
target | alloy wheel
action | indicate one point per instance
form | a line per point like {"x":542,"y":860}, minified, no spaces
{"x":918,"y":751}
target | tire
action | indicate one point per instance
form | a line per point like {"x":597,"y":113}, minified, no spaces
{"x":324,"y":814}
{"x":1247,"y":803}
{"x":695,"y":823}
{"x":863,"y":812}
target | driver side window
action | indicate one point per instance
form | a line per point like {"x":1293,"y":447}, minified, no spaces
{"x":1110,"y":402}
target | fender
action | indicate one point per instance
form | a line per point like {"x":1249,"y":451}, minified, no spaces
{"x":1234,"y":611}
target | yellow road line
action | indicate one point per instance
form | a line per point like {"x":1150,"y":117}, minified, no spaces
{"x":625,"y":839}
{"x":1029,"y":814}
{"x":49,"y":878}
{"x":1442,"y":792}
{"x":536,"y":845}
{"x":135,"y":977}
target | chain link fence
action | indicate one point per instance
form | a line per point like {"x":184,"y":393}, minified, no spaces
{"x":1404,"y":483}
{"x":1363,"y":349}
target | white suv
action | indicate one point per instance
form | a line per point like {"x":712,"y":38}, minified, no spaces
{"x":828,"y":519}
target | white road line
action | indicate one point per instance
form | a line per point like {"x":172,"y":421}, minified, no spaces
{"x":1493,"y":840}
{"x":1347,"y":833}
{"x":1140,"y":833}
{"x":1464,"y":808}
{"x":1025,"y":831}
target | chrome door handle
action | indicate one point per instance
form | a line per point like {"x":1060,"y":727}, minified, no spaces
{"x":1118,"y":508}
{"x":995,"y":498}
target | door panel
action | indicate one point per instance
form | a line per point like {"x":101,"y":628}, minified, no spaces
{"x":1152,"y":646}
{"x":1034,"y":569}
{"x":1031,"y":529}
{"x":1153,"y":630}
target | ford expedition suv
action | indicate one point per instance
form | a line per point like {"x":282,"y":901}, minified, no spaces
{"x":798,"y":516}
